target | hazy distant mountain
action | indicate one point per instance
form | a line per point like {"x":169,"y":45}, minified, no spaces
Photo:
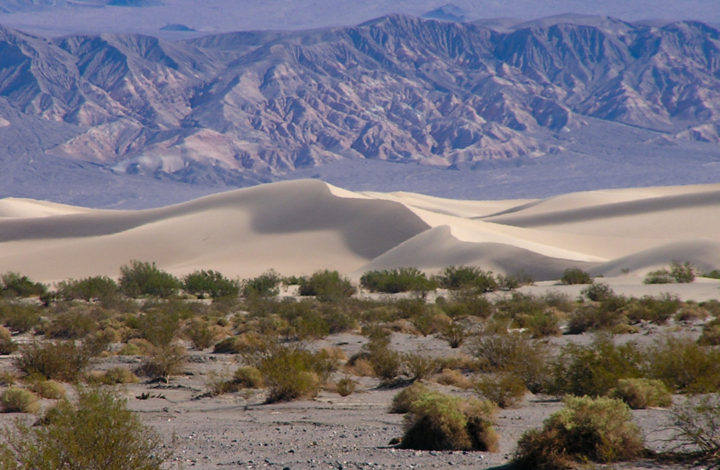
{"x":239,"y":108}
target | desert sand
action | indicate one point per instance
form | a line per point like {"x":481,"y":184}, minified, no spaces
{"x":301,"y":226}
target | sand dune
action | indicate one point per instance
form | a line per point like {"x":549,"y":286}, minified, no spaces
{"x":298,"y":227}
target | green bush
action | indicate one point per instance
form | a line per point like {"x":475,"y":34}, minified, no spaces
{"x":656,"y":310}
{"x":587,"y":429}
{"x":710,"y":333}
{"x":685,"y":366}
{"x":73,"y":324}
{"x":163,"y":361}
{"x":385,"y":362}
{"x":505,"y":390}
{"x":248,"y":377}
{"x":682,"y":272}
{"x":714,"y":274}
{"x":141,"y":278}
{"x":327,"y":286}
{"x":420,"y":366}
{"x":264,"y":285}
{"x":89,"y":288}
{"x":59,"y":360}
{"x":20,"y":317}
{"x":201,"y":333}
{"x":7,"y":345}
{"x":116,"y":375}
{"x":513,"y":353}
{"x":97,"y":432}
{"x":608,"y":314}
{"x":595,"y":369}
{"x":575,"y":276}
{"x":404,"y":398}
{"x":441,"y":422}
{"x":16,"y":285}
{"x":397,"y":280}
{"x":292,"y":373}
{"x":345,"y":386}
{"x":661,"y":276}
{"x":467,"y":277}
{"x":642,"y":393}
{"x":48,"y":389}
{"x":210,"y":284}
{"x":18,"y":400}
{"x":598,"y":291}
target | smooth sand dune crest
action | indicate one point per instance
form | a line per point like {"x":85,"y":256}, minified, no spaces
{"x":297,"y":227}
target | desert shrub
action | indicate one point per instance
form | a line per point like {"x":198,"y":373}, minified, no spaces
{"x":465,"y":303}
{"x":467,"y":277}
{"x":595,"y":369}
{"x":89,"y":288}
{"x":73,"y":324}
{"x":660,"y":276}
{"x":210,"y":284}
{"x":512,"y":352}
{"x":385,"y":362}
{"x":248,"y":377}
{"x":345,"y":386}
{"x":264,"y":285}
{"x":163,"y":361}
{"x":454,"y":332}
{"x":575,"y":276}
{"x":292,"y":373}
{"x":657,"y":310}
{"x":710,"y":333}
{"x":641,"y":393}
{"x":201,"y":333}
{"x":96,"y":432}
{"x":505,"y":390}
{"x":714,"y":274}
{"x":18,"y":400}
{"x":696,"y":423}
{"x":598,"y":291}
{"x":16,"y":285}
{"x":441,"y":422}
{"x":404,"y":398}
{"x":690,"y":311}
{"x":59,"y":360}
{"x":682,"y":272}
{"x":397,"y":280}
{"x":419,"y":366}
{"x":453,"y":377}
{"x":20,"y":317}
{"x":7,"y":345}
{"x":327,"y":286}
{"x":684,"y":365}
{"x":513,"y":281}
{"x":48,"y":389}
{"x":586,"y":429}
{"x":160,"y":327}
{"x":140,"y":278}
{"x":608,"y":314}
{"x":541,"y":324}
{"x":116,"y":375}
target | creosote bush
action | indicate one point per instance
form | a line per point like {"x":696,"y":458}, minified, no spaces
{"x":587,"y":429}
{"x":505,"y":390}
{"x":292,"y":373}
{"x":264,"y":285}
{"x":436,"y":421}
{"x":575,"y":276}
{"x":642,"y":393}
{"x":403,"y":399}
{"x":397,"y":280}
{"x":210,"y":284}
{"x":327,"y":286}
{"x":140,"y":278}
{"x":467,"y":277}
{"x":58,"y":360}
{"x":16,"y":285}
{"x":96,"y":432}
{"x":18,"y":400}
{"x":696,"y":423}
{"x":7,"y":345}
{"x":89,"y":288}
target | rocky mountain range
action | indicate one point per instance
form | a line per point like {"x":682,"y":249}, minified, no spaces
{"x":246,"y":107}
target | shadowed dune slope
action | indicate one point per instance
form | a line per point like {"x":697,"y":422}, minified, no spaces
{"x":298,"y":227}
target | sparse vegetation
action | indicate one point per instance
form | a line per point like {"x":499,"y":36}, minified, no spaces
{"x":467,"y":277}
{"x":17,"y":285}
{"x":397,"y":280}
{"x":210,"y":284}
{"x":18,"y":400}
{"x":327,"y":286}
{"x":141,"y":278}
{"x":575,"y":276}
{"x":587,"y":429}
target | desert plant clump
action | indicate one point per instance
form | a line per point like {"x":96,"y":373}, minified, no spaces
{"x":98,"y":431}
{"x":248,"y":377}
{"x":13,"y":284}
{"x":437,"y":421}
{"x":18,"y":400}
{"x":403,"y":399}
{"x":345,"y":386}
{"x":598,"y":291}
{"x":397,"y":280}
{"x":505,"y":390}
{"x":575,"y":276}
{"x":419,"y":366}
{"x":7,"y":345}
{"x":163,"y":361}
{"x":48,"y":389}
{"x":210,"y":284}
{"x":467,"y":277}
{"x":141,"y":278}
{"x":327,"y":286}
{"x":263,"y":286}
{"x":89,"y":288}
{"x":292,"y":373}
{"x":641,"y":393}
{"x":684,"y":365}
{"x":59,"y":360}
{"x":586,"y":429}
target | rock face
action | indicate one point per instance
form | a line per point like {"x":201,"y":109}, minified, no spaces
{"x":245,"y":107}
